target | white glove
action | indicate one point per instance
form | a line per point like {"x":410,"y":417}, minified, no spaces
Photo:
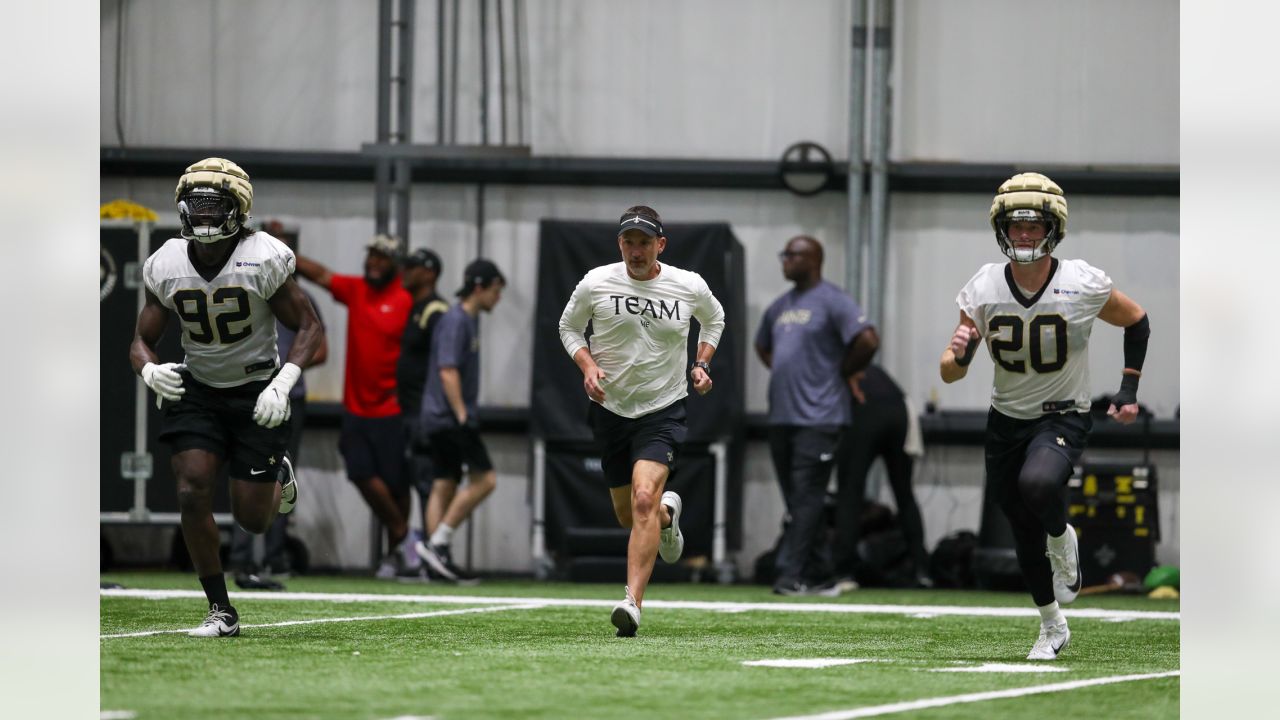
{"x":272,"y":407}
{"x":164,"y":380}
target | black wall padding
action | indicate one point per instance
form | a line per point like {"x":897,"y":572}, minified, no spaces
{"x":567,"y":251}
{"x":117,"y":322}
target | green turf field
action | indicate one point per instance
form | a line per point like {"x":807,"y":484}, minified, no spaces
{"x":361,"y":648}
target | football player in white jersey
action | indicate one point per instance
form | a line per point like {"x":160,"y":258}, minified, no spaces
{"x":634,"y":372}
{"x":228,"y":401}
{"x":1035,"y":314}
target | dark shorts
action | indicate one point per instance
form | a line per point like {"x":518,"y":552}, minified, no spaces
{"x":1010,"y":440}
{"x":417,"y":457}
{"x":373,"y":447}
{"x":220,"y":420}
{"x":622,"y":441}
{"x":454,"y":447}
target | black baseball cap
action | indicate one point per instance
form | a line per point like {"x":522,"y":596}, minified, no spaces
{"x":479,"y":273}
{"x":423,"y":257}
{"x":635,"y":221}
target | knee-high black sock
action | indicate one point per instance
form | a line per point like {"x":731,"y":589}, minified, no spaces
{"x":215,"y":589}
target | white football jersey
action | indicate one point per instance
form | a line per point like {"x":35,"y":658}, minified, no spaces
{"x":228,"y":328}
{"x":1040,"y":344}
{"x":640,"y":333}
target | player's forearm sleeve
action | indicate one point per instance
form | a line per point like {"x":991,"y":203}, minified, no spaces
{"x":1135,"y":344}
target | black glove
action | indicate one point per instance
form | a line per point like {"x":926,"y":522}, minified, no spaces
{"x":1128,"y":392}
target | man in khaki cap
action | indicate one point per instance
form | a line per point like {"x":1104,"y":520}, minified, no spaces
{"x":372,"y":439}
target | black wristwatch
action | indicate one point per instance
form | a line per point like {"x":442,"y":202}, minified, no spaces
{"x":706,"y":367}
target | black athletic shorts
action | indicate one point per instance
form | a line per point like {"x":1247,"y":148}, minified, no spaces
{"x":622,"y":441}
{"x":451,"y":448}
{"x":1010,"y":440}
{"x":220,"y":420}
{"x":373,"y":447}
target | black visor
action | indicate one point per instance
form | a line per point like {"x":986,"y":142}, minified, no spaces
{"x":633,"y":221}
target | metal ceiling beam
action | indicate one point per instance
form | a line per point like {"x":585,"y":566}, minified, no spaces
{"x":503,"y":166}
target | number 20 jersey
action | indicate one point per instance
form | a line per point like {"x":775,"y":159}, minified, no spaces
{"x":228,"y":328}
{"x":1039,"y":344}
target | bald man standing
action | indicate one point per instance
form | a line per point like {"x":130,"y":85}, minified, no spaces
{"x":813,"y":339}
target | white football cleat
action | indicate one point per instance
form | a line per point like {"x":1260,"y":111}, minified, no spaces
{"x":288,"y":486}
{"x":220,"y":622}
{"x":626,"y":616}
{"x":671,"y":540}
{"x":1053,"y":640}
{"x":1065,"y":562}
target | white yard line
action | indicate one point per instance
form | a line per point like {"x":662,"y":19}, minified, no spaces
{"x":931,"y":610}
{"x":877,"y":710}
{"x":363,"y":618}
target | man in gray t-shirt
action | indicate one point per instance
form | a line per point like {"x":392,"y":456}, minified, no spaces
{"x":812,"y":338}
{"x":449,"y":418}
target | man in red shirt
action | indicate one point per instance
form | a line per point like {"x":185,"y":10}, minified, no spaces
{"x":372,"y":440}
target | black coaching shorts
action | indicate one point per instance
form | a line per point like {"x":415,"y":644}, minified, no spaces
{"x":373,"y":447}
{"x":220,"y":420}
{"x":452,"y":448}
{"x":622,"y":441}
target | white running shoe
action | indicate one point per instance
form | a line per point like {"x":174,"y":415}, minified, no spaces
{"x":1053,"y":639}
{"x":626,"y":616}
{"x":220,"y":622}
{"x":845,"y":584}
{"x":1065,"y":562}
{"x":671,"y":540}
{"x":288,"y":486}
{"x":389,"y":568}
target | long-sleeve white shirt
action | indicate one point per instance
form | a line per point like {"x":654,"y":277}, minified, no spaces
{"x":640,"y":333}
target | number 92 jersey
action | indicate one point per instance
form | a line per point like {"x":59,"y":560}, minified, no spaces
{"x":1040,"y":344}
{"x":228,"y":328}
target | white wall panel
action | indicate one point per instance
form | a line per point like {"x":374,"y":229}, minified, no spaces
{"x":1037,"y":81}
{"x":719,"y":78}
{"x":285,"y":74}
{"x":974,"y":80}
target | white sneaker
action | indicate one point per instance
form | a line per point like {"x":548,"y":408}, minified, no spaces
{"x":671,"y":540}
{"x":1065,"y":562}
{"x":389,"y":568}
{"x":626,"y":616}
{"x":845,"y":584}
{"x":1053,"y":640}
{"x":288,"y":486}
{"x":219,"y":622}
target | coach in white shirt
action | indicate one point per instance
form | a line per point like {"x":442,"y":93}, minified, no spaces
{"x":634,"y":372}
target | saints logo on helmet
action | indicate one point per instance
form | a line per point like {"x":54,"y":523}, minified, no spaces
{"x":214,"y":199}
{"x":1029,"y":197}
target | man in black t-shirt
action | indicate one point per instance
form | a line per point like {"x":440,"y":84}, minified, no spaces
{"x":421,"y":270}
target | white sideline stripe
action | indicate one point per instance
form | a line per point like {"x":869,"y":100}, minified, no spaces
{"x":809,"y":663}
{"x":1040,"y":667}
{"x":363,"y":618}
{"x":976,"y":611}
{"x":877,"y":710}
{"x":117,"y":715}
